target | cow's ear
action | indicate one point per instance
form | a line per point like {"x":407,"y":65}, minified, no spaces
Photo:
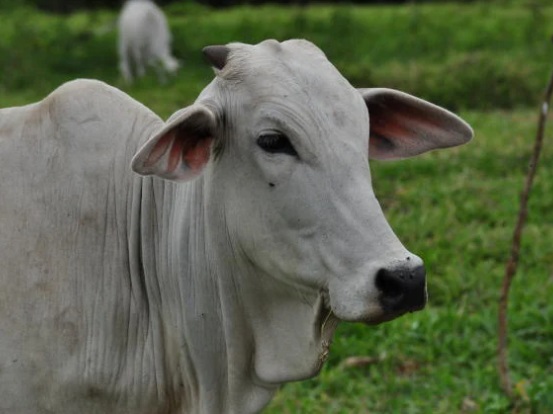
{"x":402,"y":126}
{"x":181,"y":149}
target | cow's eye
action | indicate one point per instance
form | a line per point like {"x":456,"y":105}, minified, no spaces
{"x":276,"y":143}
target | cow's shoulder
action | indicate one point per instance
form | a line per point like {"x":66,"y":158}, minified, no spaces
{"x":87,"y":99}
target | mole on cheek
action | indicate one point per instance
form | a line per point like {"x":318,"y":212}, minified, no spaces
{"x":271,"y":184}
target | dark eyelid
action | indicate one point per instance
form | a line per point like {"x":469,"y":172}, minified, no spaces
{"x":274,"y":142}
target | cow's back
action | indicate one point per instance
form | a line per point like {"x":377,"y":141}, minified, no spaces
{"x":66,"y":193}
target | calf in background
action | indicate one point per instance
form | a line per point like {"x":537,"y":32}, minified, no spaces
{"x":144,"y":39}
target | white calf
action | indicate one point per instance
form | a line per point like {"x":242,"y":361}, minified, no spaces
{"x":144,"y":39}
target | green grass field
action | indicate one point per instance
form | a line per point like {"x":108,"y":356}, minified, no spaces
{"x":456,"y":208}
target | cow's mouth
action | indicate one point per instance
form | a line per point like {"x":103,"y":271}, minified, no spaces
{"x":385,"y":317}
{"x":327,"y":320}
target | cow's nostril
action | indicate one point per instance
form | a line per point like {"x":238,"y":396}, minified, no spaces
{"x":388,"y":285}
{"x":402,"y":289}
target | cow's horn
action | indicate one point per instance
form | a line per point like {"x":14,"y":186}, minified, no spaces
{"x":216,"y":55}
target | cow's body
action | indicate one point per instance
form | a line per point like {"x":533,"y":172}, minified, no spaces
{"x":75,"y":206}
{"x":126,"y":294}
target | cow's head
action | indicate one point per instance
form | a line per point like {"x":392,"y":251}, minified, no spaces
{"x":287,"y":140}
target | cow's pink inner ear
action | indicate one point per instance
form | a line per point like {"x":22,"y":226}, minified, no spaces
{"x":175,"y":156}
{"x":392,"y":132}
{"x":180,"y":150}
{"x":197,"y":156}
{"x":159,"y":149}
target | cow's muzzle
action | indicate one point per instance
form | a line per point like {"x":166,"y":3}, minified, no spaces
{"x":402,"y":289}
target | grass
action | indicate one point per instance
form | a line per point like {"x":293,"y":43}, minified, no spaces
{"x":454,"y":208}
{"x":481,"y":56}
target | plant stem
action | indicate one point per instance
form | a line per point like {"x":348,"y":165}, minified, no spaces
{"x":511,"y":267}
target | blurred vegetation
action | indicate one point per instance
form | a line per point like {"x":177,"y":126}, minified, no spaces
{"x":64,"y":6}
{"x":456,"y":208}
{"x":478,"y":56}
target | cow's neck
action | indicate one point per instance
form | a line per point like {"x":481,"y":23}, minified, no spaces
{"x":234,"y":333}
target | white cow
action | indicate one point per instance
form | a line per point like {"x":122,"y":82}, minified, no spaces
{"x":145,"y":40}
{"x":221,"y":271}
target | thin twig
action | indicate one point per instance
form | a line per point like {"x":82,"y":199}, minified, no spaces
{"x":512,"y":264}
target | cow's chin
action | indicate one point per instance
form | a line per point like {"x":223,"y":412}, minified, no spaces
{"x":384,"y":317}
{"x":328,"y":315}
{"x":380,"y":317}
